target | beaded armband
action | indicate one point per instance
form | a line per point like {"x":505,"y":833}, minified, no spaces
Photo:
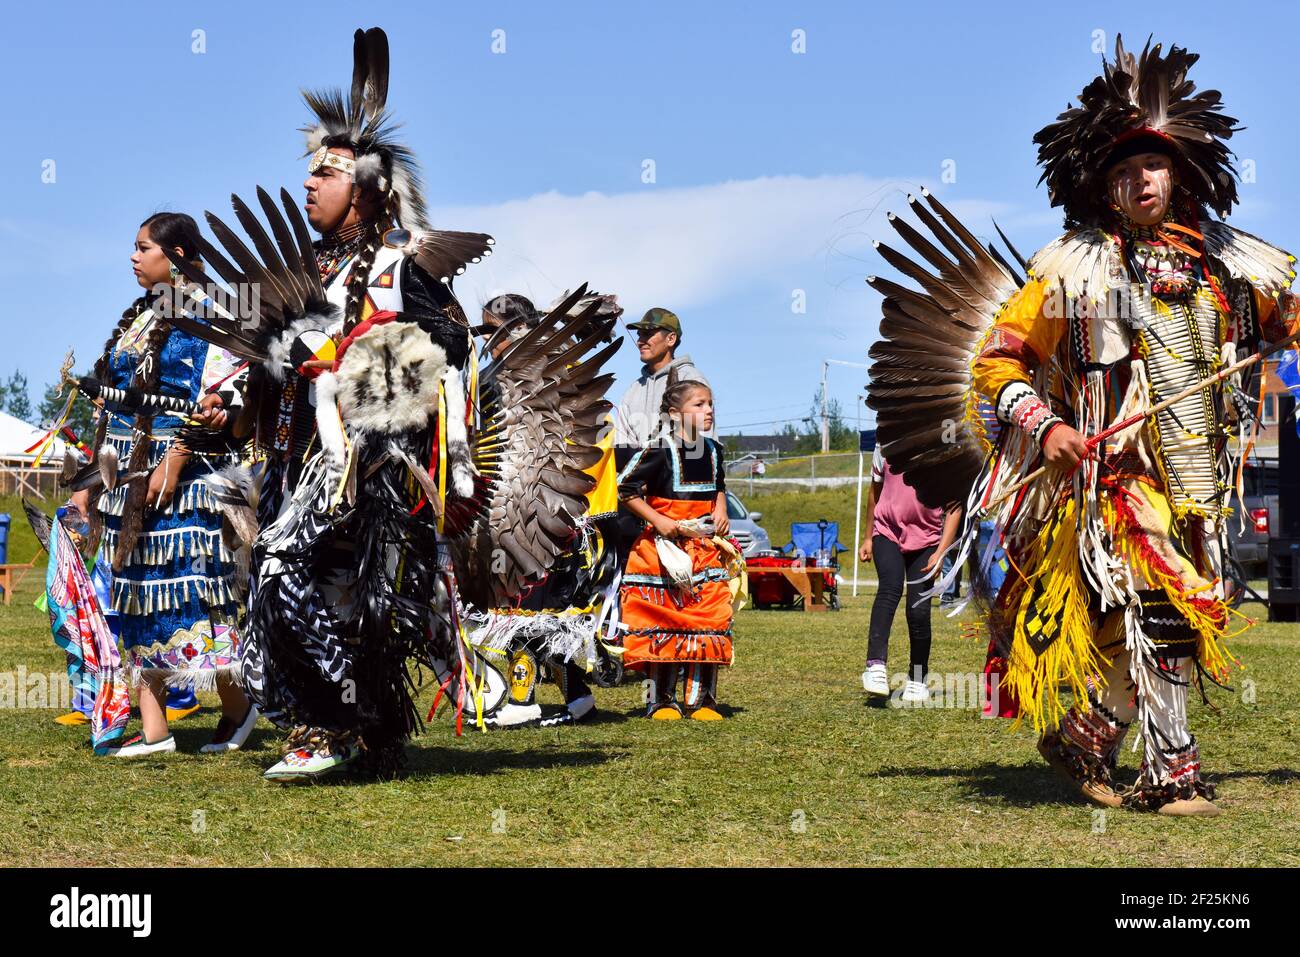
{"x":1019,"y":405}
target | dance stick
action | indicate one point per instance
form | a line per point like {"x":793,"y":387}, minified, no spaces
{"x":1154,"y":410}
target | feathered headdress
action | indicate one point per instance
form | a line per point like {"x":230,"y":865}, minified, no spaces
{"x":363,"y":124}
{"x":1134,"y":97}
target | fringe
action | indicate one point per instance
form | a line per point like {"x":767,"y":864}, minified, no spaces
{"x":146,"y":598}
{"x":192,"y":495}
{"x":697,"y":579}
{"x":155,"y":549}
{"x":568,"y":635}
{"x":1207,"y":616}
{"x":1073,"y":658}
{"x":688,"y":644}
{"x":1103,"y":569}
{"x":200,"y":679}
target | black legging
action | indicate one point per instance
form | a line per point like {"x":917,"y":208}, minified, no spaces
{"x":893,"y":566}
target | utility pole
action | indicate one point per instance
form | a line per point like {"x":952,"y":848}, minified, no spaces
{"x":826,"y":419}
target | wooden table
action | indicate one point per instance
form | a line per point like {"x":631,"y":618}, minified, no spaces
{"x":7,"y":578}
{"x":808,"y":582}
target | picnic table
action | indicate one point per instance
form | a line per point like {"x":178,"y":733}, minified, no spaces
{"x":808,"y":581}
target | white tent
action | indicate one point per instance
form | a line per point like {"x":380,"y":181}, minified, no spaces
{"x":16,"y":473}
{"x":16,"y":437}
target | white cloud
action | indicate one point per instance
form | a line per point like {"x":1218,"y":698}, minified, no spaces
{"x":726,"y":257}
{"x":688,"y":246}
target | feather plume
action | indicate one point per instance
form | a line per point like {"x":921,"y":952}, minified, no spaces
{"x":921,"y":381}
{"x":1149,"y":93}
{"x":362,"y":123}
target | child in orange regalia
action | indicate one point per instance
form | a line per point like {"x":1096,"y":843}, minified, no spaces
{"x":673,"y":630}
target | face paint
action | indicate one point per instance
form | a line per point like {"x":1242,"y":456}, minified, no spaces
{"x":1142,"y":188}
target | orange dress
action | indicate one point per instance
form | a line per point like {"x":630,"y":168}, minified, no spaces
{"x":665,"y":624}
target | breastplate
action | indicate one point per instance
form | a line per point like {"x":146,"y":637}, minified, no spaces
{"x":1180,"y":340}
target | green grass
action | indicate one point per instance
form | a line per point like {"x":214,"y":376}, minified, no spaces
{"x":935,"y":787}
{"x":22,"y":540}
{"x":829,"y":465}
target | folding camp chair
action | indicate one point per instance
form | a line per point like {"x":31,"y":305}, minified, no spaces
{"x":818,"y":544}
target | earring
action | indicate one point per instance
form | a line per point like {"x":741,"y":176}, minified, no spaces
{"x":174,"y":273}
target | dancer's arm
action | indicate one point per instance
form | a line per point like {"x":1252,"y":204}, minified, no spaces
{"x":951,"y":525}
{"x":661,"y":523}
{"x":1025,"y":334}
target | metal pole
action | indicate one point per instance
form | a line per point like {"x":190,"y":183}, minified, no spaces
{"x":826,"y":424}
{"x":857,"y":527}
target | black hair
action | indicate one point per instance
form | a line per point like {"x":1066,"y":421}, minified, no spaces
{"x":677,"y":391}
{"x":175,"y":229}
{"x":512,"y":306}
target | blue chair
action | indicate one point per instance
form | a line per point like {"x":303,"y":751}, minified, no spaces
{"x":819,"y":544}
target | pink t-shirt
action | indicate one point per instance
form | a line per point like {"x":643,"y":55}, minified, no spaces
{"x":899,"y":516}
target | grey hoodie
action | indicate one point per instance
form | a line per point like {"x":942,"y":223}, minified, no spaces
{"x":636,"y":421}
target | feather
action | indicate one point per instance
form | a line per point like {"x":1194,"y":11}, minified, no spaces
{"x":444,"y":254}
{"x":106,"y":463}
{"x":306,"y":251}
{"x":288,"y":249}
{"x":376,"y":89}
{"x":543,"y":408}
{"x":1247,"y":257}
{"x":269,"y":255}
{"x":40,"y":523}
{"x":237,"y":492}
{"x":921,"y":385}
{"x":360,"y":76}
{"x":290,"y":297}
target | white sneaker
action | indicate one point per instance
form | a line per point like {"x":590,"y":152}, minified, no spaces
{"x":143,"y":748}
{"x":915,"y":692}
{"x":575,"y":711}
{"x":875,"y":681}
{"x":237,"y":737}
{"x":511,"y":714}
{"x":581,"y":707}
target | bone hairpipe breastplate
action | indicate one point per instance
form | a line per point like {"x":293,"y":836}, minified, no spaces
{"x":1180,"y":341}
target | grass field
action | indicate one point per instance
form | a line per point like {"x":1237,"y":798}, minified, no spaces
{"x":801,"y":774}
{"x":827,"y":465}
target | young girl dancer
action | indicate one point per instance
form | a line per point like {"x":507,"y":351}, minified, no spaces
{"x":678,"y":630}
{"x":172,"y":576}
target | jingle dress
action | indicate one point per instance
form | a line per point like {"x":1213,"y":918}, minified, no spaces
{"x":175,"y":592}
{"x":670,"y":631}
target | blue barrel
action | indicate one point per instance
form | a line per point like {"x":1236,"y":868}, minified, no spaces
{"x":4,"y":537}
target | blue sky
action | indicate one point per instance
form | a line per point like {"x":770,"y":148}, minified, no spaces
{"x":773,"y":170}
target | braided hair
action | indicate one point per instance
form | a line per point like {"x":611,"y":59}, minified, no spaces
{"x":677,"y":390}
{"x":170,"y":230}
{"x":675,"y":395}
{"x":364,"y":261}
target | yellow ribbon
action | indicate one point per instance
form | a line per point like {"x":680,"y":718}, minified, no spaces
{"x":442,"y":457}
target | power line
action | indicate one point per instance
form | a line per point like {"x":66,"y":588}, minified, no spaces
{"x":745,"y":425}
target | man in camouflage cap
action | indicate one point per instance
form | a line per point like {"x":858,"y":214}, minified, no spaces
{"x":637,"y":420}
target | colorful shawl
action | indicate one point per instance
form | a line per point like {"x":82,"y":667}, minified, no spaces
{"x":80,"y":629}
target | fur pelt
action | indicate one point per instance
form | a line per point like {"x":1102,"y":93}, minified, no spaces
{"x":388,"y":380}
{"x":328,"y":426}
{"x":458,"y":454}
